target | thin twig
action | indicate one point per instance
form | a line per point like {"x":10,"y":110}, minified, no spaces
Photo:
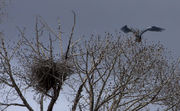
{"x":72,"y":32}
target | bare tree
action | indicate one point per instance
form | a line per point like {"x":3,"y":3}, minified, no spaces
{"x":104,"y":73}
{"x":172,"y":92}
{"x":116,"y":73}
{"x":38,"y":68}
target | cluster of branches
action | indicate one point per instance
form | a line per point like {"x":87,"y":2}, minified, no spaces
{"x":119,"y":74}
{"x":111,"y":72}
{"x":33,"y":64}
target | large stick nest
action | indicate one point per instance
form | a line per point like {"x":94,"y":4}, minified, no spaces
{"x":47,"y":74}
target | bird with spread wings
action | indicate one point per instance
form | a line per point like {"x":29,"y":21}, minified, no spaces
{"x":138,"y":34}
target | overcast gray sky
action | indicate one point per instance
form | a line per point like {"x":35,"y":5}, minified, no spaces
{"x":102,"y":15}
{"x":95,"y":16}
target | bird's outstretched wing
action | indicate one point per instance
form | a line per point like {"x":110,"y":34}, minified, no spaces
{"x":153,"y":28}
{"x":125,"y":29}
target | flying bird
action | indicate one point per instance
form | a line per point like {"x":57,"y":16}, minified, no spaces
{"x":138,"y":34}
